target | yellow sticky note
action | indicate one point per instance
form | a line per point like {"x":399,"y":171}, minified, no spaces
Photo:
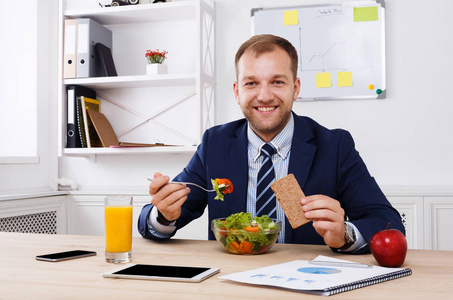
{"x":363,"y":14}
{"x":344,"y":78}
{"x":290,"y":17}
{"x":323,"y":80}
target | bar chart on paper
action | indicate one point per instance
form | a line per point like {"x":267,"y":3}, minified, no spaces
{"x":318,"y":270}
{"x":341,"y":47}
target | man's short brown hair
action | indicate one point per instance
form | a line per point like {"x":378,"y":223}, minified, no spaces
{"x":262,"y":43}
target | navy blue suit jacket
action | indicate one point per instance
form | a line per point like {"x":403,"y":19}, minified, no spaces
{"x":323,"y":161}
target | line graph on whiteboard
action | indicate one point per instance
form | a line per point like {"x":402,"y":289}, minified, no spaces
{"x":341,"y":54}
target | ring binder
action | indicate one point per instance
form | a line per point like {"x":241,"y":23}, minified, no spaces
{"x":73,"y":92}
{"x":90,"y":32}
{"x":70,"y":49}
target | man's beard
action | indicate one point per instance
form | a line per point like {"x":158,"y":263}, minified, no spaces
{"x":265,"y":127}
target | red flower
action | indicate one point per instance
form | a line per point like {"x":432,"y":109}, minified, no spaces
{"x":155,"y":57}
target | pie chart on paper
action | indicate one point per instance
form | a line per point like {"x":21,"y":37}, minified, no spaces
{"x":319,"y":270}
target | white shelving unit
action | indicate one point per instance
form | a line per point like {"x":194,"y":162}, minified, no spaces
{"x":122,"y":151}
{"x":142,"y":13}
{"x":138,"y":81}
{"x":130,"y":25}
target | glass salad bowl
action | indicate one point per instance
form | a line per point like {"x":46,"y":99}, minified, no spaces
{"x":239,"y":234}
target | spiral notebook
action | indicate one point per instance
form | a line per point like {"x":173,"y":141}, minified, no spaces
{"x":321,"y":276}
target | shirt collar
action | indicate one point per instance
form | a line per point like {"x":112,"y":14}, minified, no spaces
{"x":281,"y":142}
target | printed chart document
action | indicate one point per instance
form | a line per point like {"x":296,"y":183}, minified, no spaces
{"x":322,"y":276}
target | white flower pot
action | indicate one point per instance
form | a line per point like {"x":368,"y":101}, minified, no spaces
{"x":156,"y":69}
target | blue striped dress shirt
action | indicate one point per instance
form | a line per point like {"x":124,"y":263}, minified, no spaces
{"x":282,"y":143}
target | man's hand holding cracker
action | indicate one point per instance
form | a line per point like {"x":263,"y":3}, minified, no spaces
{"x":326,"y":213}
{"x":328,"y":218}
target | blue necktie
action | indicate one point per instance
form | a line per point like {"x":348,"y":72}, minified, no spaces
{"x":265,"y":197}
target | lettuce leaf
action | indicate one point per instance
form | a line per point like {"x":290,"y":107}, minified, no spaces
{"x":215,"y":186}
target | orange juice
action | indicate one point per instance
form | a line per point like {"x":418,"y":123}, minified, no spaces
{"x":118,"y":229}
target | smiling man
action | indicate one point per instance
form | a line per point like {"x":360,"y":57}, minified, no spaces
{"x":265,"y":90}
{"x":343,"y":200}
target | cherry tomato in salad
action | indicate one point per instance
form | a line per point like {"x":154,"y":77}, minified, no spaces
{"x":228,"y":185}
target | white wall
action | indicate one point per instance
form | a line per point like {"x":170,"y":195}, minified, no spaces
{"x":405,"y":139}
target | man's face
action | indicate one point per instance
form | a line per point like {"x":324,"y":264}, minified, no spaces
{"x":265,"y":91}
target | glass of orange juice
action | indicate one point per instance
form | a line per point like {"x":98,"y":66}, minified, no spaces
{"x":118,"y":229}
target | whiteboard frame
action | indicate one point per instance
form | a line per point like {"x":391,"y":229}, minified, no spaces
{"x":383,"y":86}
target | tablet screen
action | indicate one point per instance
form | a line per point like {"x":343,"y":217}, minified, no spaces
{"x":162,"y":271}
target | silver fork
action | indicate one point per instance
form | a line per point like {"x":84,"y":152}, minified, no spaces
{"x":189,"y":183}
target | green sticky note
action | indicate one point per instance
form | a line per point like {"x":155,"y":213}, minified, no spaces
{"x":323,"y":80}
{"x":290,"y":17}
{"x":344,"y":78}
{"x":364,"y":14}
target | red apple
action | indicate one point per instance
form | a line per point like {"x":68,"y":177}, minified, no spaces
{"x":389,"y":247}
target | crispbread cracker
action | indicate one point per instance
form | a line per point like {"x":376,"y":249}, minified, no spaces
{"x":289,"y":194}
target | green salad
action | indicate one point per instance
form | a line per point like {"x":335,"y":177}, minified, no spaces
{"x":241,"y":234}
{"x":221,"y":186}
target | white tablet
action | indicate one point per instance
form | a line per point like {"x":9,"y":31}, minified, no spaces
{"x":162,"y":272}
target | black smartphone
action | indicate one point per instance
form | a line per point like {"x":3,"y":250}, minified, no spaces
{"x":54,"y":257}
{"x":160,"y":272}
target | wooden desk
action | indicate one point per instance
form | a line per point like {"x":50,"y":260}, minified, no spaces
{"x":23,"y":277}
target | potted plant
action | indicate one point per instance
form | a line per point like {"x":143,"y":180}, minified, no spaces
{"x":155,"y":61}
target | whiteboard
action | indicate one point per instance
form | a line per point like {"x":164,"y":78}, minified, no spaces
{"x":341,"y":47}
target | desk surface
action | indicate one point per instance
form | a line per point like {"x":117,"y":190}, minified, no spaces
{"x":23,"y":277}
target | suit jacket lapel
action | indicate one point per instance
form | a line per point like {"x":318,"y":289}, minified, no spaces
{"x":302,"y":152}
{"x":301,"y":158}
{"x":237,"y":166}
